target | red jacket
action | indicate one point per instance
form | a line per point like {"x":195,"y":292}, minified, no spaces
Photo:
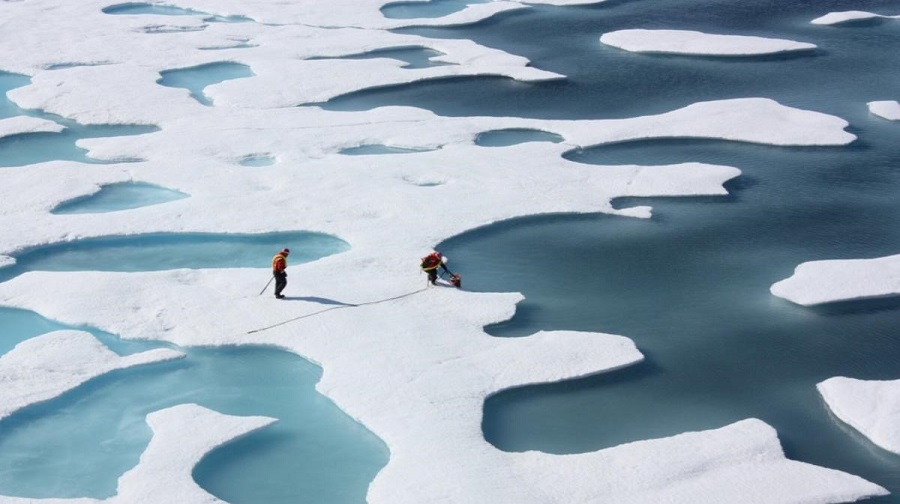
{"x":431,"y":261}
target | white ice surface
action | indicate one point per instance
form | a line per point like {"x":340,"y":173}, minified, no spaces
{"x":889,"y":110}
{"x":427,"y":375}
{"x":834,"y":18}
{"x":49,"y":365}
{"x":819,"y":282}
{"x":25,"y":124}
{"x":872,"y":407}
{"x":698,"y":43}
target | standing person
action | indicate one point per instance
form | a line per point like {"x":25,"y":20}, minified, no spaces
{"x":430,"y":265}
{"x":279,"y":265}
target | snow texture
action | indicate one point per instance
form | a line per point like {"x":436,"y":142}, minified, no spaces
{"x":869,"y":406}
{"x":889,"y":110}
{"x":819,"y":282}
{"x":24,"y":124}
{"x":835,"y":18}
{"x":427,"y":361}
{"x":49,"y":365}
{"x":698,"y":43}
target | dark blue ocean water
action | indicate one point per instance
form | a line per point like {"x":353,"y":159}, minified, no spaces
{"x":690,"y":285}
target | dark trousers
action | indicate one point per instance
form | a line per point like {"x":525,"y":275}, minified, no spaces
{"x":433,"y":274}
{"x":280,"y":281}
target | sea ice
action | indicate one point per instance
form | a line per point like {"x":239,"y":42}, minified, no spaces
{"x":834,"y":18}
{"x":25,"y":124}
{"x":889,"y":110}
{"x":870,"y":406}
{"x":47,"y":366}
{"x":819,"y":282}
{"x":422,"y":352}
{"x":697,"y":43}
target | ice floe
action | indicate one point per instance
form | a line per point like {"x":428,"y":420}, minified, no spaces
{"x":427,"y":375}
{"x":819,"y":282}
{"x":834,"y":18}
{"x":182,"y":435}
{"x":698,"y":43}
{"x":889,"y":110}
{"x":49,"y":365}
{"x":872,"y":407}
{"x":25,"y":124}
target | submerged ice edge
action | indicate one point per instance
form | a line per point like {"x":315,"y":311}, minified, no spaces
{"x":46,"y":366}
{"x":836,"y":18}
{"x":831,"y":281}
{"x":887,"y":109}
{"x":182,"y":436}
{"x":869,"y":406}
{"x":20,"y":125}
{"x":457,"y":364}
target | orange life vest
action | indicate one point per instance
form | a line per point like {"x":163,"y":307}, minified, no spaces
{"x":279,"y":262}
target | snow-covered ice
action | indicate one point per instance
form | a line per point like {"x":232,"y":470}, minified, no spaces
{"x":887,"y":109}
{"x":698,"y":43}
{"x":432,"y":373}
{"x":835,"y":18}
{"x":46,"y":366}
{"x":23,"y":124}
{"x":819,"y":282}
{"x":872,"y":407}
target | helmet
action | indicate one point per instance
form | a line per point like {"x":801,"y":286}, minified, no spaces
{"x":286,"y":251}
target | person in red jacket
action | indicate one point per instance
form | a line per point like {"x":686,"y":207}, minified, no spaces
{"x":430,"y":265}
{"x":279,"y":265}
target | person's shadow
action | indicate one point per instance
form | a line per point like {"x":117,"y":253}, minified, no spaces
{"x":320,"y":300}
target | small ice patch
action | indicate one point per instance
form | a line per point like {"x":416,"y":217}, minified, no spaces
{"x":870,"y":406}
{"x":889,"y":110}
{"x":820,"y":282}
{"x":847,"y":17}
{"x":697,"y":43}
{"x":20,"y":125}
{"x":182,"y":436}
